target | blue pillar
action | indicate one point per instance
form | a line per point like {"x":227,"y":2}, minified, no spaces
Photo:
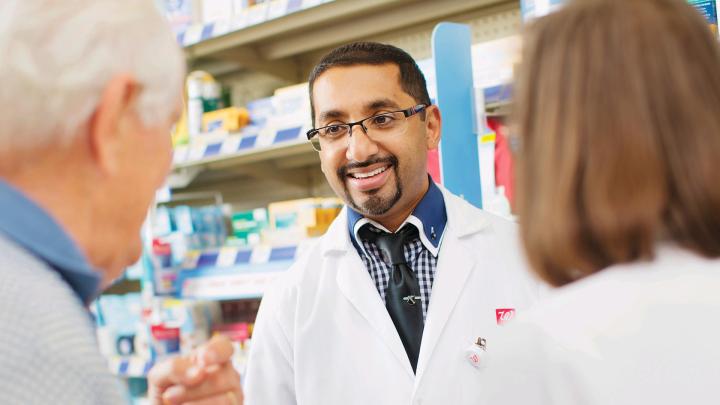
{"x":459,"y":160}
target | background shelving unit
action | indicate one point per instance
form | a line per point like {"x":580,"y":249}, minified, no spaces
{"x":232,"y":273}
{"x":288,"y":46}
{"x":253,"y":58}
{"x":273,"y":45}
{"x":256,"y":60}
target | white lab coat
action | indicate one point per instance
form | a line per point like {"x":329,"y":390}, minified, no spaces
{"x":642,"y":333}
{"x":323,"y":336}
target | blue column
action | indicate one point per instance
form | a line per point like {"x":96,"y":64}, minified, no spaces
{"x":459,"y":146}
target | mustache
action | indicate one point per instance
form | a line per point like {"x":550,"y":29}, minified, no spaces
{"x":343,"y":171}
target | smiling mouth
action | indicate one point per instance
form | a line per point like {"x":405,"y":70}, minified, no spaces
{"x":368,"y":175}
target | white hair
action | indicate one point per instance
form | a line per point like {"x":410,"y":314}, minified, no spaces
{"x":56,"y":57}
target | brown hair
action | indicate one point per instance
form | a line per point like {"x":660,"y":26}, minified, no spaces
{"x":618,"y":117}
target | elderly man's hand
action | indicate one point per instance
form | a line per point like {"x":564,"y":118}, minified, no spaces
{"x":207,"y":376}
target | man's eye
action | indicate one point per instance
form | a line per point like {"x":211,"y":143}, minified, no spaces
{"x":334,"y":131}
{"x":382,"y":120}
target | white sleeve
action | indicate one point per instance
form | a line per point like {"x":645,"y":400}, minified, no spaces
{"x":270,"y":376}
{"x":525,"y":366}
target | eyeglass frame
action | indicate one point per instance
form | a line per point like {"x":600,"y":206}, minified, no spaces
{"x":408,"y":112}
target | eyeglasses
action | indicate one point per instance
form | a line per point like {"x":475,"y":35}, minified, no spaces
{"x":375,"y":127}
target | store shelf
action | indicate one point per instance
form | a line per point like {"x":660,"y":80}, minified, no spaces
{"x":498,"y":100}
{"x":132,"y":366}
{"x":232,"y":273}
{"x":212,"y":159}
{"x":288,"y":145}
{"x":317,"y":28}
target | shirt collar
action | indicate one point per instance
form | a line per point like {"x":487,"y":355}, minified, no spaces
{"x":31,"y":227}
{"x":429,"y":216}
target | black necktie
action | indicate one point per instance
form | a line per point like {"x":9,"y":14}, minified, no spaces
{"x":402,"y":296}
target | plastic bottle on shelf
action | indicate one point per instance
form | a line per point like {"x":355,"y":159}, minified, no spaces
{"x":203,"y":93}
{"x":194,"y":106}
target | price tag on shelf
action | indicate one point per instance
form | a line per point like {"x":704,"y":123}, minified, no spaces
{"x":265,"y":137}
{"x":230,"y":145}
{"x":260,"y":254}
{"x":197,"y":151}
{"x":311,"y":3}
{"x":228,"y":286}
{"x":193,"y":34}
{"x":191,"y":259}
{"x":239,"y":21}
{"x":114,"y":365}
{"x":180,"y":154}
{"x":277,"y":8}
{"x":257,"y":14}
{"x":293,"y":6}
{"x":221,"y":27}
{"x":227,"y":257}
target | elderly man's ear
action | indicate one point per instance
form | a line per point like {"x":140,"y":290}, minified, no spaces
{"x":113,"y":120}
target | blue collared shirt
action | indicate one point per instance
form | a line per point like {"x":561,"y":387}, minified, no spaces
{"x":430,"y":218}
{"x":30,"y":226}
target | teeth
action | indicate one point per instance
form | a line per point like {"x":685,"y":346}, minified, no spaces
{"x":369,"y":174}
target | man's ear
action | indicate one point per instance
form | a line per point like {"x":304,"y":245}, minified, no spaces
{"x":110,"y":121}
{"x":433,"y":126}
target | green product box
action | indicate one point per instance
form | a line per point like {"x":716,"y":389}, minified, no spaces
{"x":248,"y":225}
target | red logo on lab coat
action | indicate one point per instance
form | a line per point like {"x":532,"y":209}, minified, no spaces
{"x":504,"y":314}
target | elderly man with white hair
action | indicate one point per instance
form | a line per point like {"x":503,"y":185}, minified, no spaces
{"x":90,"y":90}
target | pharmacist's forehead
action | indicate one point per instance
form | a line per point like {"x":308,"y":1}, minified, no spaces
{"x":369,"y":108}
{"x":354,"y":92}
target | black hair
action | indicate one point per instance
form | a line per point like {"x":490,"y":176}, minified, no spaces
{"x":412,"y":79}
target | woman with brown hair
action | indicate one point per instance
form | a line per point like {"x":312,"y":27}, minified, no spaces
{"x":618,"y":117}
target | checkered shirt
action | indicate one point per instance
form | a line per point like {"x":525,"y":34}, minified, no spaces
{"x":420,"y":259}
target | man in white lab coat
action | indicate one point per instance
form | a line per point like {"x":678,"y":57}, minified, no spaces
{"x":389,"y":305}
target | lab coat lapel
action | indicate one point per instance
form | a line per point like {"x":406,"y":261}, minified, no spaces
{"x":356,"y":285}
{"x":456,"y":262}
{"x":455,"y":265}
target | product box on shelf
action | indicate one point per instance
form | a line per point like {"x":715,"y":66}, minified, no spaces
{"x":260,"y":111}
{"x":283,"y":117}
{"x":179,"y":326}
{"x":299,"y":219}
{"x":166,"y":340}
{"x":119,"y":331}
{"x":239,"y":318}
{"x":248,"y":226}
{"x":164,"y":266}
{"x":329,"y":210}
{"x":226,"y":120}
{"x":182,"y":13}
{"x":292,"y":100}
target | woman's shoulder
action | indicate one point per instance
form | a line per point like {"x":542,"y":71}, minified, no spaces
{"x":675,"y":280}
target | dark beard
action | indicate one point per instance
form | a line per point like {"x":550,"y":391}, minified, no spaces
{"x":375,"y":205}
